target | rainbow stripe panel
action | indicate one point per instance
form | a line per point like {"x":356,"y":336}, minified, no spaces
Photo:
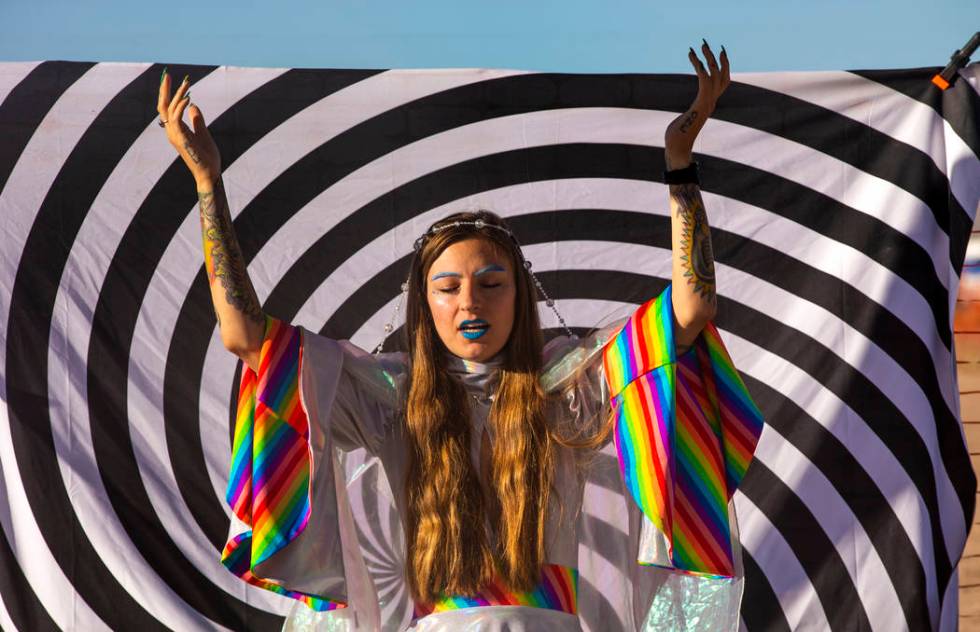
{"x":557,"y":590}
{"x":686,"y":429}
{"x":271,"y":464}
{"x":235,"y":557}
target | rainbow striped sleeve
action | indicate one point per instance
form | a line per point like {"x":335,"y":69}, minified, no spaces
{"x":686,"y":429}
{"x":271,"y":463}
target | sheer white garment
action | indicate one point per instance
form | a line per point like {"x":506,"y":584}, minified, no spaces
{"x":359,"y":452}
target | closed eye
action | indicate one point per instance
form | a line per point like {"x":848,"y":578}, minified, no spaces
{"x":453,"y":289}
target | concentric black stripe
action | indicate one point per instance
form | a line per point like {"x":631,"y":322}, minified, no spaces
{"x":21,"y":113}
{"x":459,"y":106}
{"x":877,"y":240}
{"x":114,"y":320}
{"x":820,"y":559}
{"x":760,"y":606}
{"x":863,"y":497}
{"x":893,"y":250}
{"x":877,"y":412}
{"x":19,"y":599}
{"x":259,"y":113}
{"x":43,"y":260}
{"x":854,"y":143}
{"x":28,"y":103}
{"x":959,"y":106}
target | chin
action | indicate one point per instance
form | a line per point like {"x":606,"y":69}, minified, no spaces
{"x":477,"y":351}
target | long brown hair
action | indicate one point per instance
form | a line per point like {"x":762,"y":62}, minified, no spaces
{"x":449,"y":551}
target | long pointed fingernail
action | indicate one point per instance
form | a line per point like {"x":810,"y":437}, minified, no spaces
{"x":723,"y":50}
{"x":163,"y":74}
{"x":704,"y":41}
{"x":186,"y":77}
{"x":691,"y":48}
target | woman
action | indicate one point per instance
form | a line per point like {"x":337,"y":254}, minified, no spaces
{"x":480,"y":428}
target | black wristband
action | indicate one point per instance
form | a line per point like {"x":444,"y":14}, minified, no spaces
{"x":688,"y":174}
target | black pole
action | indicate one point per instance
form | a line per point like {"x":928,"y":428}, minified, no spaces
{"x":958,"y":60}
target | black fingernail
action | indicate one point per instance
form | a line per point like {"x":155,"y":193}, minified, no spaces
{"x":691,"y":48}
{"x":704,"y":41}
{"x":188,"y":95}
{"x":723,"y":50}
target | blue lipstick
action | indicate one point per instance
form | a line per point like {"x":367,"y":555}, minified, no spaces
{"x":478,"y":328}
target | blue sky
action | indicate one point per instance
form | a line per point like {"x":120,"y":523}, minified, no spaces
{"x":569,"y":36}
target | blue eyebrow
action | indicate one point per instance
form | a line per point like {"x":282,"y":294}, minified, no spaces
{"x":444,"y":274}
{"x":493,"y":267}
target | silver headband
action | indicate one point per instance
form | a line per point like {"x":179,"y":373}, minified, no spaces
{"x":479,"y":223}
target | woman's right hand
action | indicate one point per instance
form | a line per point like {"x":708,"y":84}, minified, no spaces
{"x":196,"y":147}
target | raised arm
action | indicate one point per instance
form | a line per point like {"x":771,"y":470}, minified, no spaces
{"x":240,"y":316}
{"x":693,"y":275}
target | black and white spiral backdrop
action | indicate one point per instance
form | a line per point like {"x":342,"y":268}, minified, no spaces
{"x":840,"y":204}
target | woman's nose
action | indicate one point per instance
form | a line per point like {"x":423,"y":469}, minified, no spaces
{"x":469,"y":296}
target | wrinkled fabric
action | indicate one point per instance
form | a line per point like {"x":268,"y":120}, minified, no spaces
{"x":499,"y":619}
{"x":357,"y":436}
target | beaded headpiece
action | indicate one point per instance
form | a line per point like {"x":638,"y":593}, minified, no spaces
{"x":478,"y":223}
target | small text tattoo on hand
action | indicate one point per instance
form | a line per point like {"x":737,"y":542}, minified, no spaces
{"x":190,"y":152}
{"x":688,"y":121}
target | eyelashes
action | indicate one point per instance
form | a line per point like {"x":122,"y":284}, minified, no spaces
{"x":452,"y":290}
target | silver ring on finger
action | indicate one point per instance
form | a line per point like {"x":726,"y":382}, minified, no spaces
{"x":161,"y":122}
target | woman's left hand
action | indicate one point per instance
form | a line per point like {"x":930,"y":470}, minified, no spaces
{"x":712,"y":81}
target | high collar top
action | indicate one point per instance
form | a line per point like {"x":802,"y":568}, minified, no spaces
{"x":479,"y":378}
{"x":458,"y":365}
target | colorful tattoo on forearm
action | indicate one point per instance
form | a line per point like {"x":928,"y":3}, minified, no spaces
{"x":699,"y":267}
{"x":222,"y":256}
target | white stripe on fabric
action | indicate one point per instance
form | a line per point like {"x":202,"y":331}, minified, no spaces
{"x":29,"y":182}
{"x":765,"y":227}
{"x":11,"y":74}
{"x":99,"y":236}
{"x":797,"y":597}
{"x":865,"y":193}
{"x":888,"y":111}
{"x":827,"y":409}
{"x":868,"y":574}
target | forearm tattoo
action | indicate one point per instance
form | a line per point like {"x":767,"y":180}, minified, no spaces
{"x":696,"y":257}
{"x":222,"y":255}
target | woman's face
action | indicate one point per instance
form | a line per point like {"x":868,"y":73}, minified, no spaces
{"x":471,"y":293}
